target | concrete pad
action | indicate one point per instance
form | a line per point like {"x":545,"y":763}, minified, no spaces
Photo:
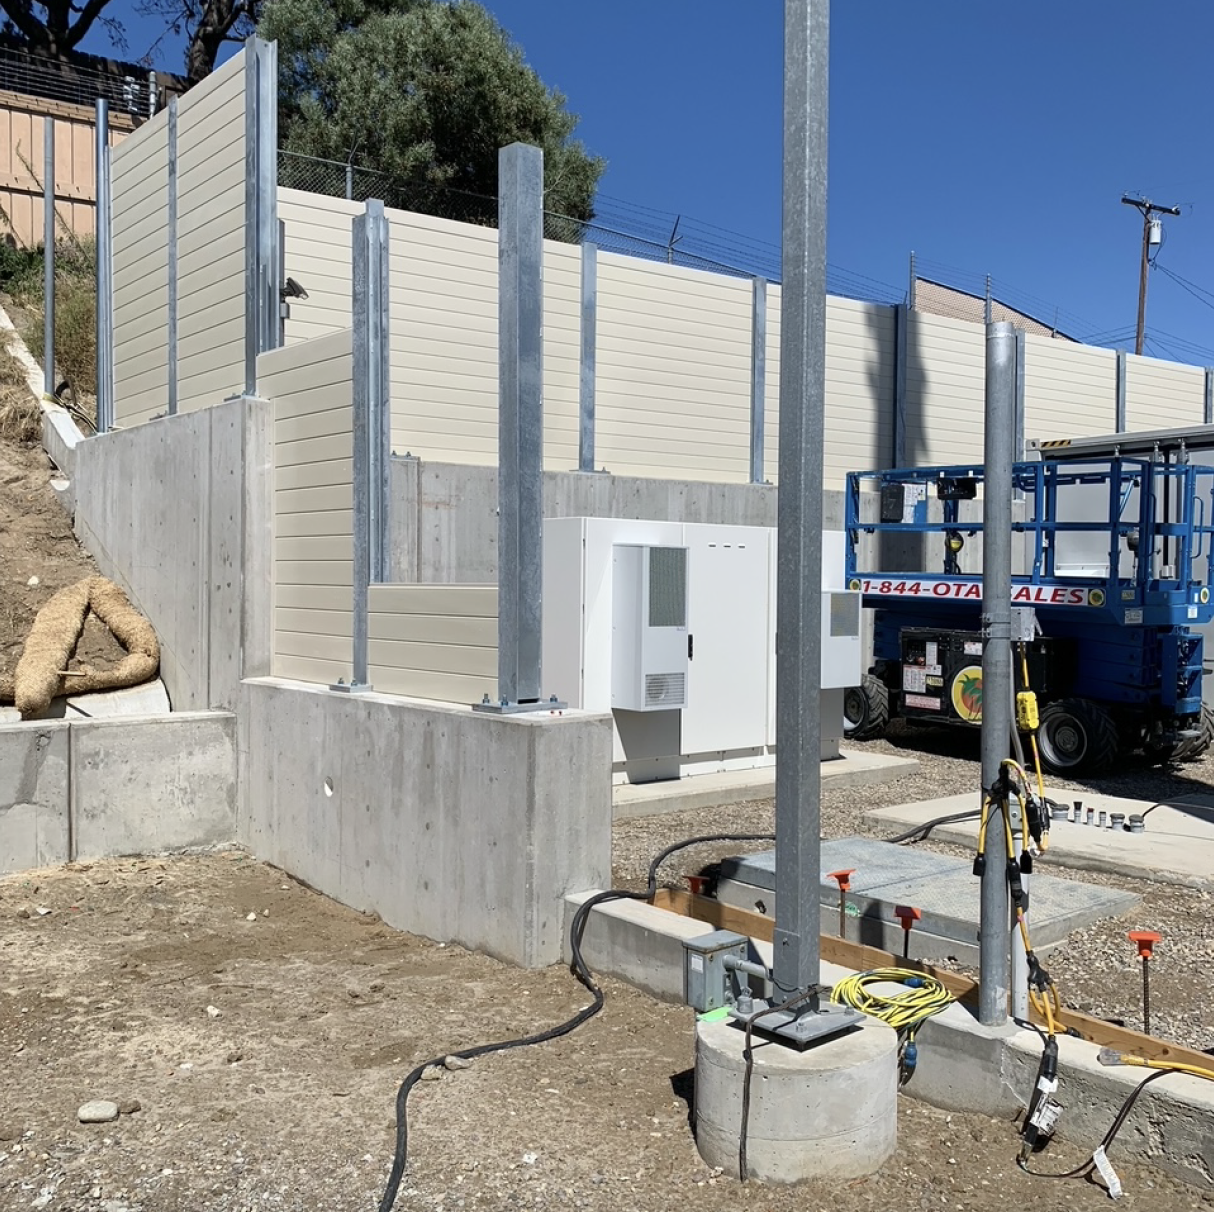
{"x":829,"y":1112}
{"x":34,"y":829}
{"x":943,"y":889}
{"x":850,"y":769}
{"x":1177,"y":847}
{"x":151,"y":698}
{"x":964,"y":1066}
{"x":142,"y":786}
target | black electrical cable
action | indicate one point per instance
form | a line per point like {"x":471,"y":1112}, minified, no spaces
{"x":748,"y":1053}
{"x":1084,"y":1170}
{"x":919,"y":832}
{"x":580,"y":970}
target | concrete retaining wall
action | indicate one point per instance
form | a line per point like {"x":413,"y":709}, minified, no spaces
{"x":98,"y":788}
{"x":177,"y":512}
{"x":461,"y":826}
{"x":443,"y":516}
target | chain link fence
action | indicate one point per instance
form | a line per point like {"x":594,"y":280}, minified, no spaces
{"x":617,"y":227}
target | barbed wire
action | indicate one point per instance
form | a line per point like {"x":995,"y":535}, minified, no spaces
{"x":75,"y":83}
{"x":620,"y":227}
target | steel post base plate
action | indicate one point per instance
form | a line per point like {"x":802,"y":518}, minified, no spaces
{"x":804,"y":1025}
{"x":504,"y":708}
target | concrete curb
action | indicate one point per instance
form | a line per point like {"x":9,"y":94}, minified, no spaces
{"x":963,"y":1066}
{"x":850,"y":769}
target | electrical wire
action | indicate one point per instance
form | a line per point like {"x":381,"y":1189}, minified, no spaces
{"x":921,"y":998}
{"x":584,"y":976}
{"x":919,"y":832}
{"x":748,"y":1054}
{"x":1161,"y":1069}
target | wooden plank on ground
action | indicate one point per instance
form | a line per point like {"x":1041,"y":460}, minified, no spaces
{"x":861,"y":958}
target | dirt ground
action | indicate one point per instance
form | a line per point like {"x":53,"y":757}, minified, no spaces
{"x":264,"y":1057}
{"x":36,"y":541}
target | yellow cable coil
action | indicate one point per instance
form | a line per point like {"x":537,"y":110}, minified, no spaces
{"x":905,"y":1011}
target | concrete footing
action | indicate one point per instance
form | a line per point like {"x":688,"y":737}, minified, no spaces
{"x":830,"y":1112}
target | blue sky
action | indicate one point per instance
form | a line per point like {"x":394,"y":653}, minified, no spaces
{"x":989,"y":138}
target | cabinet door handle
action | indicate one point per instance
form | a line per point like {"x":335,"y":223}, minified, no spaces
{"x":691,"y":647}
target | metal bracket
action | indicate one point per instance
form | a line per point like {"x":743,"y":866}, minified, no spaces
{"x":505,"y":707}
{"x":803,"y":1025}
{"x":351,"y":687}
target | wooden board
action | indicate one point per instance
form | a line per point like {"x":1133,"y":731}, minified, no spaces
{"x":861,"y":958}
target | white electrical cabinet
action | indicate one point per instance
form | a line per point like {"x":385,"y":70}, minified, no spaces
{"x":649,"y":652}
{"x":672,"y":627}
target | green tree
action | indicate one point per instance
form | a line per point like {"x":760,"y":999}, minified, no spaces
{"x":425,"y":91}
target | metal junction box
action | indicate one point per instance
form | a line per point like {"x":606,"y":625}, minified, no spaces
{"x":706,"y":980}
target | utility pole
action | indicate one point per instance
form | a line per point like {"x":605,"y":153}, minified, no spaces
{"x":1148,"y":209}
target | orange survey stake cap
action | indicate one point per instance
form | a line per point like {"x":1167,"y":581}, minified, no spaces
{"x":1146,"y":939}
{"x":844,"y":878}
{"x":906,"y":914}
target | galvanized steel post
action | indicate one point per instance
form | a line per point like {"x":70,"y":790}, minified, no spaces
{"x":371,"y":383}
{"x":171,"y":119}
{"x":758,"y":377}
{"x":263,"y":270}
{"x":901,"y":353}
{"x":1207,"y":409}
{"x":520,"y":421}
{"x":586,"y":375}
{"x":994,"y":924}
{"x":370,"y":438}
{"x":1119,"y":406}
{"x":105,"y":273}
{"x":48,"y":254}
{"x":799,"y":551}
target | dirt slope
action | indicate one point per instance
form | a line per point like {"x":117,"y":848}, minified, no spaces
{"x":36,"y":541}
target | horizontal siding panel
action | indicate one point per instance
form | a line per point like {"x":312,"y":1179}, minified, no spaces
{"x":314,"y":572}
{"x":314,"y":647}
{"x":313,"y":474}
{"x":316,"y":522}
{"x":323,"y":549}
{"x":434,"y":687}
{"x":472,"y":601}
{"x":332,"y":422}
{"x":315,"y":622}
{"x":435,"y":630}
{"x":329,"y":598}
{"x":207,"y":387}
{"x":314,"y":500}
{"x":309,"y":669}
{"x":433,"y":658}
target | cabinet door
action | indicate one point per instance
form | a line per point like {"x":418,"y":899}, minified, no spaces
{"x":728,"y":590}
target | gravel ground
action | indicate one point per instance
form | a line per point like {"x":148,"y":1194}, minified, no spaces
{"x":1096,"y":969}
{"x":256,"y":1062}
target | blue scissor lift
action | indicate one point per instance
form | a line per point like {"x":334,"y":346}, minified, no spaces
{"x":1110,"y":560}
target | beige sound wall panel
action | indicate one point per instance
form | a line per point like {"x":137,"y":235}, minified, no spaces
{"x":443,"y":338}
{"x":1163,"y":395}
{"x":433,"y":641}
{"x":672,"y":396}
{"x":310,"y":385}
{"x":945,"y":390}
{"x":317,"y":254}
{"x":1070,"y":390}
{"x":861,"y":342}
{"x":210,"y":239}
{"x":139,"y":176}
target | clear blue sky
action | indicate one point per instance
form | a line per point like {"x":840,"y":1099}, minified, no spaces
{"x":991,"y":138}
